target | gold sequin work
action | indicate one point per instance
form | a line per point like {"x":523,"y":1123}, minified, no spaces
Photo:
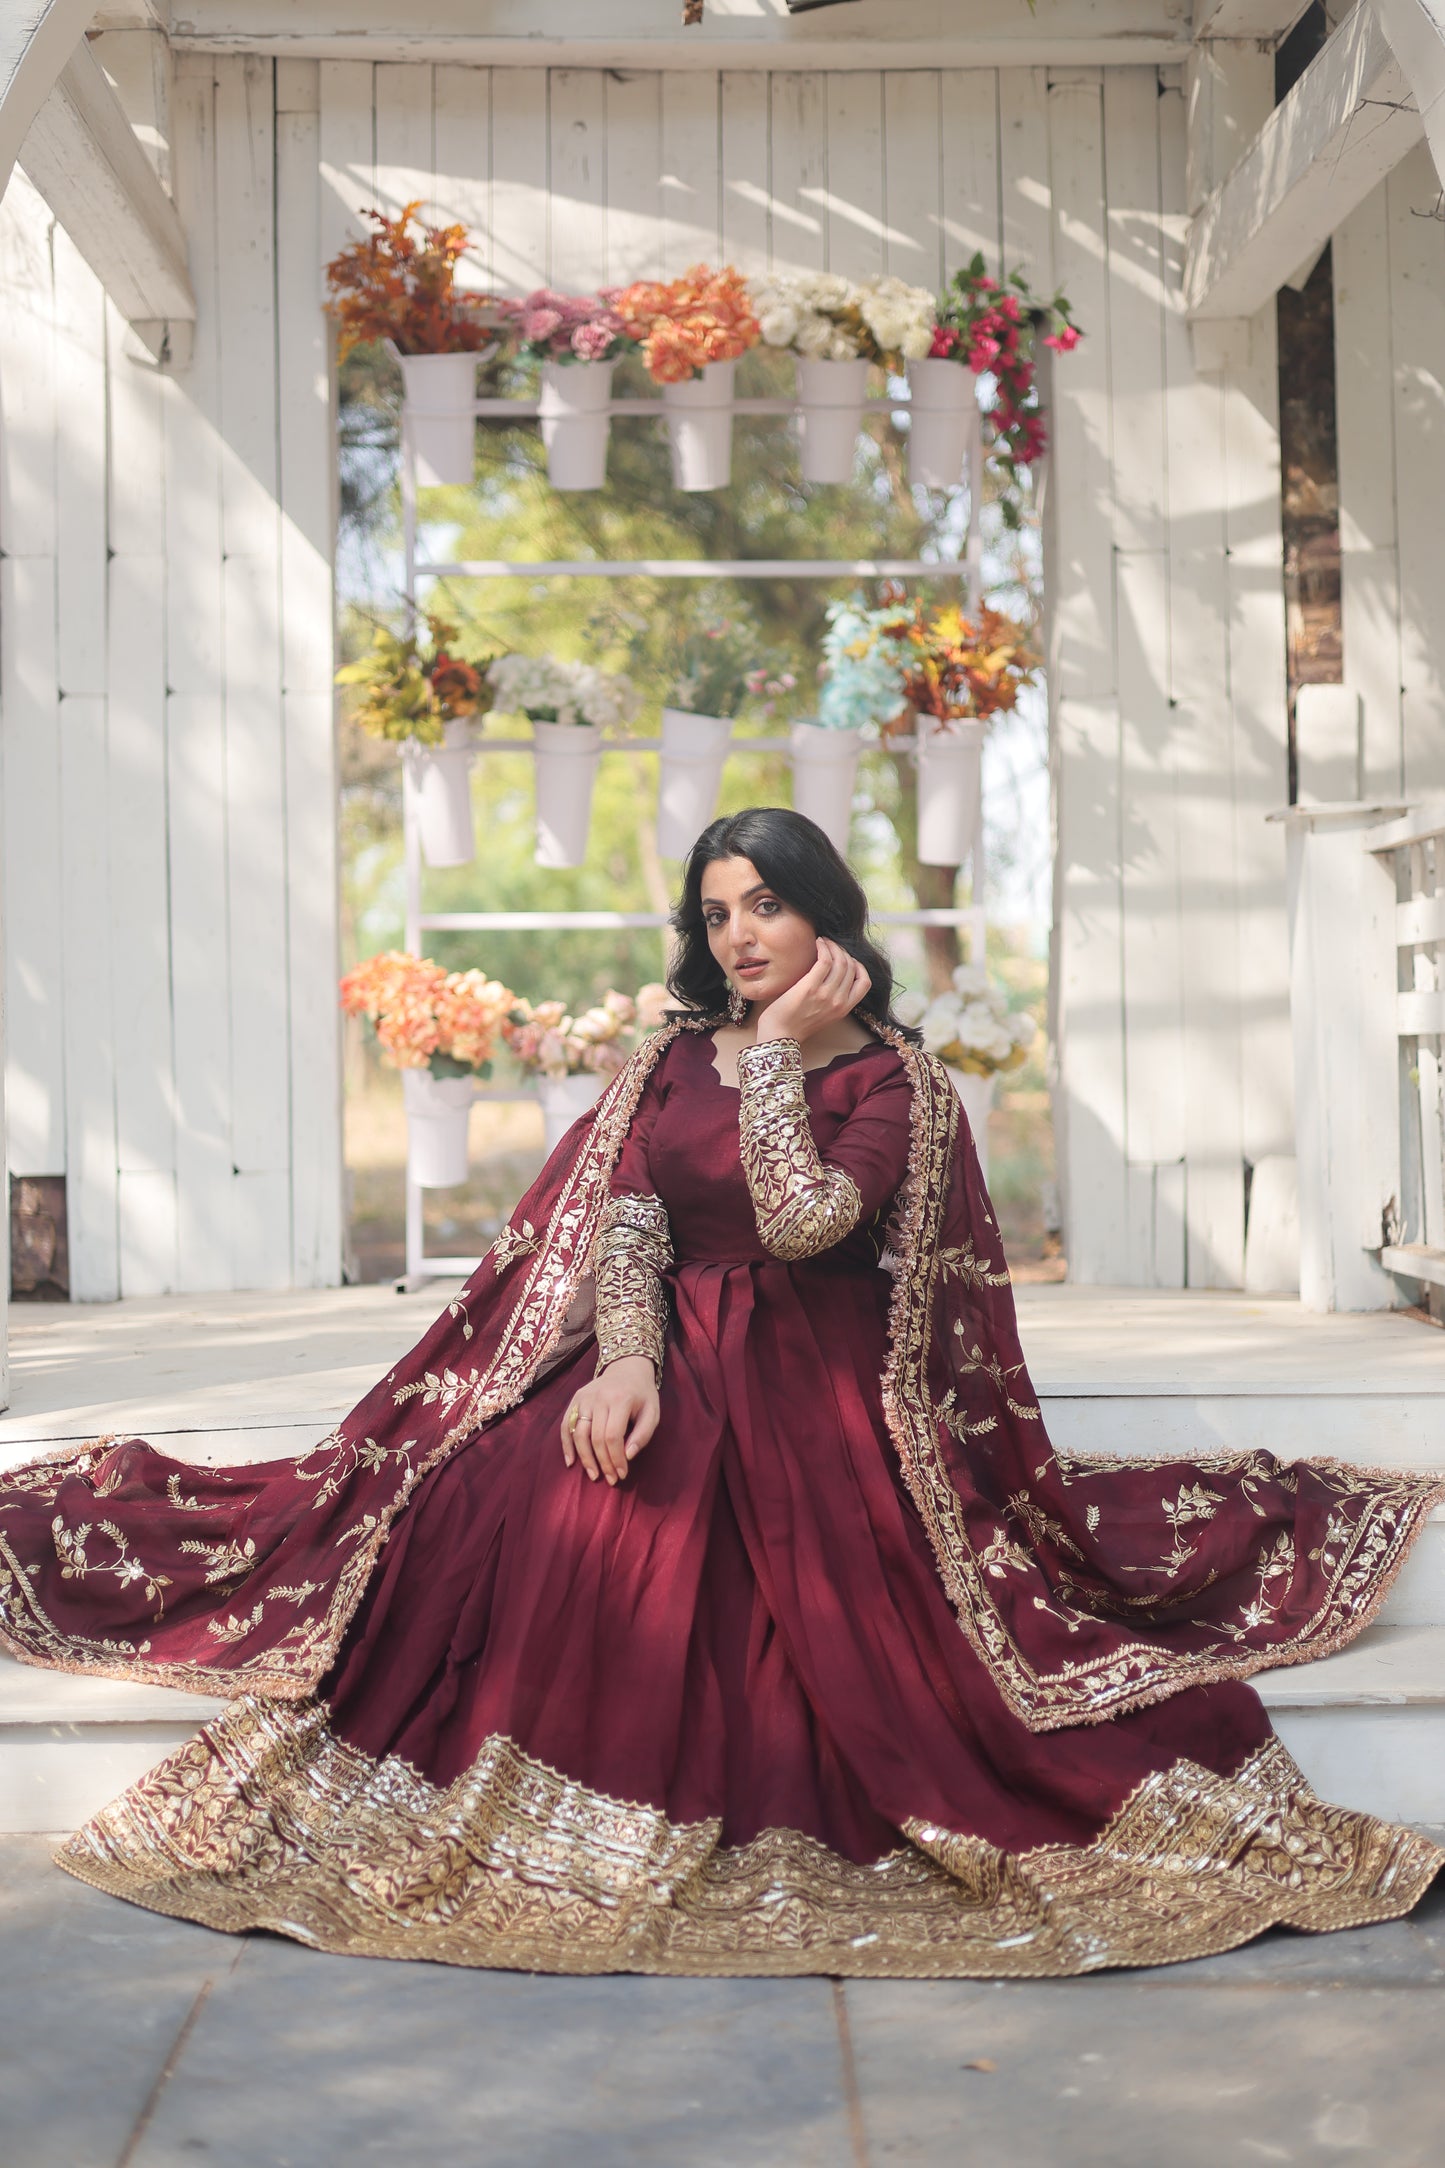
{"x":801,"y":1205}
{"x":633,"y":1254}
{"x":267,"y":1820}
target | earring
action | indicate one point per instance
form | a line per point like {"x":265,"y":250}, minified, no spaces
{"x":737,"y":1004}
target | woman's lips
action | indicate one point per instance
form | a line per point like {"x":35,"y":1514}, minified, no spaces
{"x":750,"y":971}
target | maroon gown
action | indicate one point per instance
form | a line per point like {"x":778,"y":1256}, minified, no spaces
{"x":729,"y":1716}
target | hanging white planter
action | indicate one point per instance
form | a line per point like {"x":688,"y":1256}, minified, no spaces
{"x":694,"y":748}
{"x":950,"y":782}
{"x":564,"y":758}
{"x":830,"y":416}
{"x":563,"y":1099}
{"x":437,"y":1110}
{"x":443,"y":778}
{"x":700,"y":427}
{"x":825,"y":766}
{"x":942,"y":404}
{"x":441,"y":392}
{"x":976,"y":1092}
{"x":572,"y":410}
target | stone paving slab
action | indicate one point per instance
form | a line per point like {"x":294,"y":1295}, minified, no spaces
{"x":132,"y":2041}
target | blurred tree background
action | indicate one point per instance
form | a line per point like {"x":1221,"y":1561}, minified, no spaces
{"x":632,"y":624}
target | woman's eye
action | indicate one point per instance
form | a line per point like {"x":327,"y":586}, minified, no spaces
{"x":767,"y":907}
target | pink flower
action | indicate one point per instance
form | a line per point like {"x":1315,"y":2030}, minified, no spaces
{"x":944,"y":342}
{"x":1063,"y":342}
{"x":539,"y":324}
{"x":591,"y":341}
{"x":982,"y":355}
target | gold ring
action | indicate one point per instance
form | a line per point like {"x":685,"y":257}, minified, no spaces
{"x":572,"y":1418}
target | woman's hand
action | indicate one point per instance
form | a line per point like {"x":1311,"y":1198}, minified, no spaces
{"x":831,"y":990}
{"x":609,"y":1421}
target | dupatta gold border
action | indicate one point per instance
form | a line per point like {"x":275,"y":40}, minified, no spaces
{"x":266,"y":1819}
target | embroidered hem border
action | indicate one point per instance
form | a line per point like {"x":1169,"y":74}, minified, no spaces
{"x":267,"y":1820}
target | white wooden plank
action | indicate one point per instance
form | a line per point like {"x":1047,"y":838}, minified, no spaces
{"x":1170,"y":1222}
{"x":348,"y":153}
{"x":1029,"y":189}
{"x":85,"y":999}
{"x":1136,"y":313}
{"x":80,"y":470}
{"x":1091,"y":993}
{"x":405,"y":144}
{"x":799,"y":151}
{"x":147,"y":1212}
{"x":196,"y":790}
{"x":312,"y":886}
{"x":1365,"y":437}
{"x":462,"y":130}
{"x":191,"y":411}
{"x":1149,"y":868}
{"x":577,"y":179}
{"x":913,"y":178}
{"x":298,"y":86}
{"x":1417,"y":259}
{"x":245,"y":229}
{"x":27,"y":374}
{"x":972,"y":212}
{"x":634,"y":164}
{"x":262,"y":1230}
{"x":691,"y":180}
{"x":744,"y":171}
{"x":140,"y":902}
{"x":519,"y":182}
{"x":256,"y":865}
{"x":1081,"y":629}
{"x":34,"y":957}
{"x":304,"y":420}
{"x":854,"y":198}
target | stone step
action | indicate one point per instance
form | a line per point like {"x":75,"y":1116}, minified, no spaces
{"x":1367,"y":1727}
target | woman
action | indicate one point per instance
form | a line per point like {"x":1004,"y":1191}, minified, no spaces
{"x":702,"y":1595}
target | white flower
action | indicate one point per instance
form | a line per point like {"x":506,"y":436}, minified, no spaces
{"x":572,"y":692}
{"x":939,"y":1023}
{"x":909,"y":1007}
{"x":971,"y":981}
{"x":813,"y":338}
{"x":778,"y":323}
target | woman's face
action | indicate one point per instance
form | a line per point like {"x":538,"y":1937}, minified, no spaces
{"x":762,"y":943}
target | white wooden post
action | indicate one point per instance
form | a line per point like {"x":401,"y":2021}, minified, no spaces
{"x":1343,"y":1002}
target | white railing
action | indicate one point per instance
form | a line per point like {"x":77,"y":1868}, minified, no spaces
{"x":1366,"y":900}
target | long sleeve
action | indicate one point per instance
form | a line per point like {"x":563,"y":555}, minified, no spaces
{"x":803,"y":1203}
{"x":634,"y":1251}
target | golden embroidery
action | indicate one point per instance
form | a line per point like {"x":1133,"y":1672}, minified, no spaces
{"x":632,"y":1257}
{"x":511,"y":1242}
{"x":979,"y":1272}
{"x":801,"y":1205}
{"x":70,"y":1549}
{"x":224,"y":1561}
{"x":267,"y":1820}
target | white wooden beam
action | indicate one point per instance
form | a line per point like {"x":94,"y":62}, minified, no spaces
{"x":1257,"y":22}
{"x":1347,"y":122}
{"x":1416,"y":31}
{"x":733,"y":33}
{"x":37,"y":37}
{"x":91,"y":168}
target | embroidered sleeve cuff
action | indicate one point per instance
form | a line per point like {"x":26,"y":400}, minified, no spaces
{"x":801,"y":1206}
{"x":633,"y":1254}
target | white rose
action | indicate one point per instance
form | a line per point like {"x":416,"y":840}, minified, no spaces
{"x":970,"y":981}
{"x":939,"y":1023}
{"x":909,"y":1007}
{"x":778,"y":325}
{"x":814,"y":337}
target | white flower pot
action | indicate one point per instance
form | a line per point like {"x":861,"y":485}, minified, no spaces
{"x":700,"y":427}
{"x":565,"y":757}
{"x":950,"y":781}
{"x":976,"y":1092}
{"x":694,"y":748}
{"x":830,"y":416}
{"x":575,"y":422}
{"x":441,"y":392}
{"x":825,"y":765}
{"x":563,"y":1099}
{"x":437,"y":1110}
{"x":444,"y":798}
{"x":941,"y":406}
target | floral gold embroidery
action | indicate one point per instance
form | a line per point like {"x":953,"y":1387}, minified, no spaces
{"x":631,"y":1260}
{"x":801,"y":1205}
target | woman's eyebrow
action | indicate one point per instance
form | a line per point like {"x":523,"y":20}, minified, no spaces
{"x":718,"y":903}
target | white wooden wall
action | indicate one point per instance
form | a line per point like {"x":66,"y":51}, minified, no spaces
{"x":1389,"y":271}
{"x":167,"y":737}
{"x":182,"y":815}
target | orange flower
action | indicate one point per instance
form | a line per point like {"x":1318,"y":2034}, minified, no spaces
{"x":420,"y":1011}
{"x":684,"y":323}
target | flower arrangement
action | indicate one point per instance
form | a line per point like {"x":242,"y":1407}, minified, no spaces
{"x":949,"y":666}
{"x":970,"y":1026}
{"x":426,"y":1018}
{"x":547,"y":691}
{"x":863,"y":689}
{"x":991,"y":327}
{"x":570,"y":327}
{"x":402,"y":286}
{"x":682,"y":324}
{"x":546,"y":1041}
{"x":410,"y":693}
{"x":825,"y":317}
{"x":715,"y":669}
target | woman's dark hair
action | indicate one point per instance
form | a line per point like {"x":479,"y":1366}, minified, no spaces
{"x":801,"y":866}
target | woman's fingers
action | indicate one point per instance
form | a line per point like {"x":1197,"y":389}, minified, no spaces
{"x":610,"y":1435}
{"x":644,"y":1423}
{"x":582,"y":1439}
